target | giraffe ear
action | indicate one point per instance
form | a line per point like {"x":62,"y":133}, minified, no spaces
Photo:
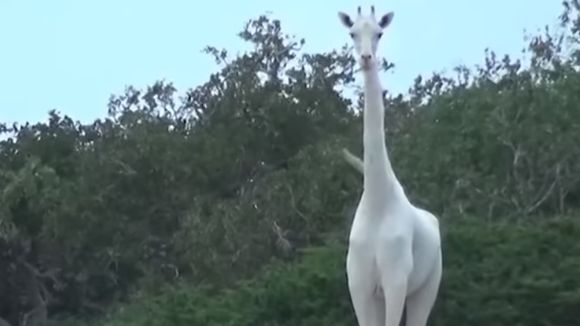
{"x":386,"y":19}
{"x":345,"y":19}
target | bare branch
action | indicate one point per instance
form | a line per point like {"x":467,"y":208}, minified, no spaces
{"x":281,"y":241}
{"x":546,"y":194}
{"x":293,"y":203}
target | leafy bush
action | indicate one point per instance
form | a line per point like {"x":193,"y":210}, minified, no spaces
{"x":245,"y":169}
{"x":495,"y":274}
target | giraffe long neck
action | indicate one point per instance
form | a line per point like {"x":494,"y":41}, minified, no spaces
{"x":379,"y":178}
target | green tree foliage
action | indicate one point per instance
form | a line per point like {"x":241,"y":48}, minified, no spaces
{"x":482,"y":285}
{"x":245,"y":169}
{"x":163,"y":189}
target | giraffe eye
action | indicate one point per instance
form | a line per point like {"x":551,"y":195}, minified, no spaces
{"x":379,"y":35}
{"x":351,"y":35}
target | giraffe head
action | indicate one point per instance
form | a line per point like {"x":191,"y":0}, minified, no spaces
{"x":366,"y":32}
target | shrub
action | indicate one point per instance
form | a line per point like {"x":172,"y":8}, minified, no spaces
{"x":495,"y":274}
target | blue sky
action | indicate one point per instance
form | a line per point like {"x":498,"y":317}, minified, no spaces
{"x":71,"y":55}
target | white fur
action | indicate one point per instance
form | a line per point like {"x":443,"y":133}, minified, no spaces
{"x":394,"y":256}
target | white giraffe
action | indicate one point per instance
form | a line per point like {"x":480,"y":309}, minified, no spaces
{"x":394,"y":256}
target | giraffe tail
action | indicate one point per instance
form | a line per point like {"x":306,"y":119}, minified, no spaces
{"x":354,"y":161}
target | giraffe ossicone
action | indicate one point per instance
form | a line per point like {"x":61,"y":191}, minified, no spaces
{"x":394,"y":255}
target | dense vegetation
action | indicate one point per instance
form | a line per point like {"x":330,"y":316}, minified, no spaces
{"x":230,"y":206}
{"x":482,"y":285}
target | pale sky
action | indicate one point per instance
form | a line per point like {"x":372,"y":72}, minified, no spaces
{"x":71,"y":55}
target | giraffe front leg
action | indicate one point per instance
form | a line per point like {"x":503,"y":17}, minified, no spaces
{"x":395,"y":292}
{"x":369,"y":308}
{"x":420,"y":304}
{"x":395,"y":266}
